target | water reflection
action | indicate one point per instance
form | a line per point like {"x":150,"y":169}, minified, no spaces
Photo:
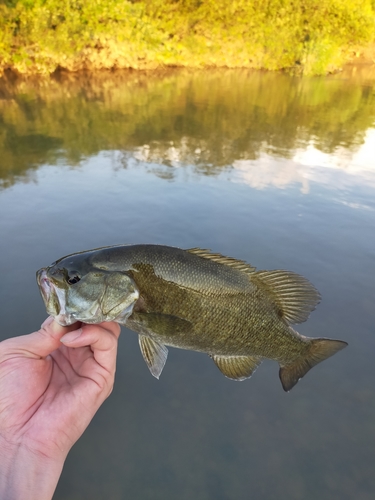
{"x":211,"y":120}
{"x":311,"y":165}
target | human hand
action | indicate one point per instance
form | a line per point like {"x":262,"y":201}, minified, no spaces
{"x":52,"y":382}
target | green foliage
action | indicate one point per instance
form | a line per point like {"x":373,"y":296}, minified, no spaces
{"x":310,"y":36}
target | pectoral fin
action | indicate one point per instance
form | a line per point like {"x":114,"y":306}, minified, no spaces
{"x":154,"y":354}
{"x":237,"y":367}
{"x":163,"y":325}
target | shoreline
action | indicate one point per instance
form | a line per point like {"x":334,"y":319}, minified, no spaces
{"x":357,"y":58}
{"x":356,"y":64}
{"x":299,"y":37}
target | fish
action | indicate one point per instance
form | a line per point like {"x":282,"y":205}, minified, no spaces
{"x":191,"y":299}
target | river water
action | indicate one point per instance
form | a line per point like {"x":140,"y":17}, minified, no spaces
{"x":272,"y":169}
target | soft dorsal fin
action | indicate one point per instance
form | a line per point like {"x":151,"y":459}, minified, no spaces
{"x":241,"y":265}
{"x":237,"y":367}
{"x":294,"y":295}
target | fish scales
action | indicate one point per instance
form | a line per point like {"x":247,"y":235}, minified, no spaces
{"x":191,"y":299}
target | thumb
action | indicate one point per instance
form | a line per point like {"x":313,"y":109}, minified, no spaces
{"x":38,"y":344}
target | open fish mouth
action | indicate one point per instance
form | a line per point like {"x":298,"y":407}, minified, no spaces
{"x":45,"y":285}
{"x":54,"y":299}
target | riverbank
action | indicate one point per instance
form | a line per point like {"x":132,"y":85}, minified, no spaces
{"x":315,"y":37}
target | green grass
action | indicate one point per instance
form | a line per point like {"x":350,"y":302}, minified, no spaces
{"x":307,"y":36}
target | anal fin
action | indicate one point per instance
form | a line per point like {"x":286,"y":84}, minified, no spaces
{"x":154,"y":354}
{"x":237,"y":367}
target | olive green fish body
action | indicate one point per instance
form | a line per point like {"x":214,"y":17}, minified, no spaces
{"x":191,"y":299}
{"x":217,"y":324}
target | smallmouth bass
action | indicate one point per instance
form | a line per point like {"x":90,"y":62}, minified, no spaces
{"x":191,"y":299}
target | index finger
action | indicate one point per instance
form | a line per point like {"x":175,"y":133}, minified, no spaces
{"x":101,"y":338}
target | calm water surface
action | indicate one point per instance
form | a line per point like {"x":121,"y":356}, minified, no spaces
{"x":268,"y":168}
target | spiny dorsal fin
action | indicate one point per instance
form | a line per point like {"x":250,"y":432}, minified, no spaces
{"x":295,"y":296}
{"x":241,"y":265}
{"x":320,"y":349}
{"x":154,"y":354}
{"x":237,"y":367}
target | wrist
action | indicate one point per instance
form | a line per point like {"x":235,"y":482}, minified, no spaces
{"x":25,"y":473}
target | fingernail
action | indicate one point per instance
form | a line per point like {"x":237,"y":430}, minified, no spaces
{"x":69,"y":337}
{"x":47,"y":322}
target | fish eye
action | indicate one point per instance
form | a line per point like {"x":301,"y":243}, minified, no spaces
{"x":74,"y":279}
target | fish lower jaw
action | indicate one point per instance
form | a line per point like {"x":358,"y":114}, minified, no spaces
{"x":65,"y":319}
{"x":93,"y":316}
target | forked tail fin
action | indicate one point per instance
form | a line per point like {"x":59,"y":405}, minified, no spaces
{"x":320,"y":349}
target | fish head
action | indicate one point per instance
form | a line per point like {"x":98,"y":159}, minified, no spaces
{"x":75,"y":290}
